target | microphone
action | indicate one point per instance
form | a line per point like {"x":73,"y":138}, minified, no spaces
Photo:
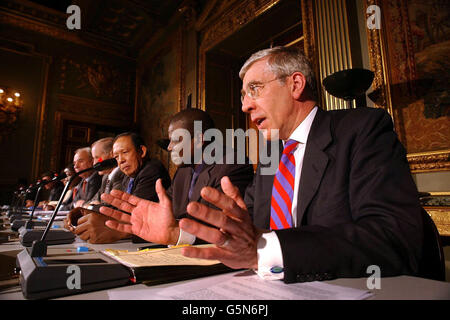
{"x":39,"y":247}
{"x":15,"y":202}
{"x":41,"y":183}
{"x":20,"y":203}
{"x":105,"y":164}
{"x":29,"y":224}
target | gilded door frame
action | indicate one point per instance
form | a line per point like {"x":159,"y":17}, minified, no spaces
{"x":236,"y":18}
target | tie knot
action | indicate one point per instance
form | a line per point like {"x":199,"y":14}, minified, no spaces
{"x":289,"y":146}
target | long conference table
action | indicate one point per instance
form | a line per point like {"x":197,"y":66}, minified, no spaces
{"x":390,"y":288}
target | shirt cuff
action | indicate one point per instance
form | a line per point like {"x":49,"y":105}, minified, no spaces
{"x":185,"y":238}
{"x":270,"y":257}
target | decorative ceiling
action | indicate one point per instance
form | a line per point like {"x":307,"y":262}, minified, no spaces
{"x":130,"y":27}
{"x":120,"y":25}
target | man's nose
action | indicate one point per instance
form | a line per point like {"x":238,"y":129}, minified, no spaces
{"x":247,"y":104}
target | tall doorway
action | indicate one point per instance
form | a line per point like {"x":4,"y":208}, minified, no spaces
{"x":281,"y":25}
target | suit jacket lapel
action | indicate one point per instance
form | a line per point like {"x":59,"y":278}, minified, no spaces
{"x":185,"y":176}
{"x":202,"y":181}
{"x":314,"y":162}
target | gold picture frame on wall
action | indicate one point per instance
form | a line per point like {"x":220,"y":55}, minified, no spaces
{"x":411,"y":78}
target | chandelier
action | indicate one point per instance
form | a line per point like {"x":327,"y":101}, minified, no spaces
{"x":11,"y":104}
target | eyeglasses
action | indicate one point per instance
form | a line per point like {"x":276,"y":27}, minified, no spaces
{"x":254,"y":89}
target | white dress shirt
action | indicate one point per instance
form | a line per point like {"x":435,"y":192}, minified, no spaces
{"x":269,"y":249}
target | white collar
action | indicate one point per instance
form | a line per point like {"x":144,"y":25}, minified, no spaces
{"x":301,"y":133}
{"x":112,"y":173}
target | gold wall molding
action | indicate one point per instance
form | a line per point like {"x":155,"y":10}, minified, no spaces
{"x":309,"y":33}
{"x":232,"y":20}
{"x":441,"y":218}
{"x":103,"y":112}
{"x":378,"y":64}
{"x":429,"y":161}
{"x":41,"y":124}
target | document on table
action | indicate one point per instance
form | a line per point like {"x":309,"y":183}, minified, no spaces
{"x":49,"y":213}
{"x":157,"y":257}
{"x":242,"y":286}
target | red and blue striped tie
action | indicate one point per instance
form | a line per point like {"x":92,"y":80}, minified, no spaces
{"x":283,"y":189}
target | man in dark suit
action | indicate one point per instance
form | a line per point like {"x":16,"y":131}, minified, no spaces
{"x":191,"y":176}
{"x":86,"y":221}
{"x":141,"y":171}
{"x":342,"y":198}
{"x":111,"y":178}
{"x":56,"y":188}
{"x":90,"y":180}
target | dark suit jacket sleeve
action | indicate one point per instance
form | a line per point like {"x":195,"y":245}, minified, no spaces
{"x":98,"y":194}
{"x":93,"y":186}
{"x":56,"y":192}
{"x":241,"y":176}
{"x":146,"y":179}
{"x":383,"y":225}
{"x":249,"y":195}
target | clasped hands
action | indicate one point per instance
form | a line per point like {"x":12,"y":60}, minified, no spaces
{"x":235,"y":237}
{"x":90,"y":226}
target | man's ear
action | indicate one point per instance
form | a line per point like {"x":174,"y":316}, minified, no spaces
{"x":143,"y":151}
{"x":299,"y":84}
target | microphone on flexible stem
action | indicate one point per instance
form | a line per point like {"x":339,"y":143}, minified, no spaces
{"x":18,"y":210}
{"x":39,"y":247}
{"x":15,"y":202}
{"x":24,"y":198}
{"x":15,"y":198}
{"x":16,"y":219}
{"x":30,"y":224}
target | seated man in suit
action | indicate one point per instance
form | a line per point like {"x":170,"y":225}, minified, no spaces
{"x":69,"y":170}
{"x":141,"y":171}
{"x":90,"y":180}
{"x":341,"y":200}
{"x":85,"y":221}
{"x":111,"y":178}
{"x":189,"y":178}
{"x":140,"y":174}
{"x":56,"y":188}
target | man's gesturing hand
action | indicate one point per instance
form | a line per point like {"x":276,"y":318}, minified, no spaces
{"x":149,"y":220}
{"x":236,"y":239}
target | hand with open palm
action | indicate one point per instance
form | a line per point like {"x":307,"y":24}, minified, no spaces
{"x":149,"y":220}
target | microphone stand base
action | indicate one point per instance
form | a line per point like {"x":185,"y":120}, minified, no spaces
{"x":38,"y":249}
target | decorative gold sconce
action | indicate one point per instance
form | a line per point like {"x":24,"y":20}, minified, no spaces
{"x":11,"y":104}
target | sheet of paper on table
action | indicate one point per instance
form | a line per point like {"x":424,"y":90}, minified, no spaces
{"x":49,"y":213}
{"x":157,"y":257}
{"x":241,"y":286}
